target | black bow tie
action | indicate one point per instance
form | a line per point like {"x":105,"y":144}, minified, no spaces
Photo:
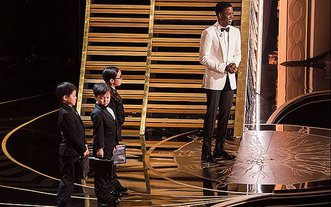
{"x":227,"y":29}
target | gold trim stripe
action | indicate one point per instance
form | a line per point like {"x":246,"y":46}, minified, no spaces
{"x":36,"y":191}
{"x":242,"y":72}
{"x":84,"y":56}
{"x":146,"y":90}
{"x":148,"y":67}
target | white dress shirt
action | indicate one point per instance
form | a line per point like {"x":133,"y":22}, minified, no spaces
{"x":111,"y":112}
{"x":225,"y":36}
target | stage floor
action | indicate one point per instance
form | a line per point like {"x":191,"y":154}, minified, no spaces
{"x":269,"y":157}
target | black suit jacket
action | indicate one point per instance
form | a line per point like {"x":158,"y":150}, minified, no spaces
{"x":104,"y":131}
{"x":72,"y":132}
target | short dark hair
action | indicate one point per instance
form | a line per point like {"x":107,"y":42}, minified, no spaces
{"x":64,"y":89}
{"x":109,"y":73}
{"x":100,"y":89}
{"x":221,"y":6}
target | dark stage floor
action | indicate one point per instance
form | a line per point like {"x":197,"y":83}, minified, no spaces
{"x":269,"y":157}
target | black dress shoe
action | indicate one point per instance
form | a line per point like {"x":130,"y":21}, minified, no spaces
{"x":224,"y":155}
{"x":207,"y":158}
{"x":116,"y":193}
{"x":122,"y":190}
{"x":113,"y":201}
{"x":118,"y":186}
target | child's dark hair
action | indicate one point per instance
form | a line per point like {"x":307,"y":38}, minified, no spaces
{"x":100,"y":89}
{"x":221,"y":6}
{"x":64,"y":89}
{"x":109,"y":73}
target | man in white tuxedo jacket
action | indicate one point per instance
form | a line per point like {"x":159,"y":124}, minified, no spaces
{"x":220,"y":52}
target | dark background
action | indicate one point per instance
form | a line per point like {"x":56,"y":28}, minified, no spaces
{"x":40,"y":45}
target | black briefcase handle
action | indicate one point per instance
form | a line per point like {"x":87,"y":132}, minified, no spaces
{"x":101,"y":166}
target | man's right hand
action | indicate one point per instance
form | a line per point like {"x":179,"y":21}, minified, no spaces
{"x":87,"y":152}
{"x":100,"y":152}
{"x":231,"y":68}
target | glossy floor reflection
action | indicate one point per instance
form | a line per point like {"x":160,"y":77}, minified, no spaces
{"x":269,"y":158}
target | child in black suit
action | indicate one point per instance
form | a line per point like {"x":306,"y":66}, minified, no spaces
{"x":73,"y":144}
{"x":105,"y":140}
{"x":113,"y":77}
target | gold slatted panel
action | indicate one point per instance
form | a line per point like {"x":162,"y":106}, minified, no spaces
{"x":175,"y":96}
{"x":117,"y":36}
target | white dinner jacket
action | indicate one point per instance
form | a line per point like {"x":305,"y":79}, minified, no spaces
{"x":213,"y":56}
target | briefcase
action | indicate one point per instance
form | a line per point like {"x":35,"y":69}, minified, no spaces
{"x":119,"y":154}
{"x":101,"y":166}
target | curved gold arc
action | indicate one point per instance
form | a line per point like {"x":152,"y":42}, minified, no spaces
{"x":5,"y":151}
{"x":27,"y":190}
{"x":150,"y":167}
{"x":40,"y":192}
